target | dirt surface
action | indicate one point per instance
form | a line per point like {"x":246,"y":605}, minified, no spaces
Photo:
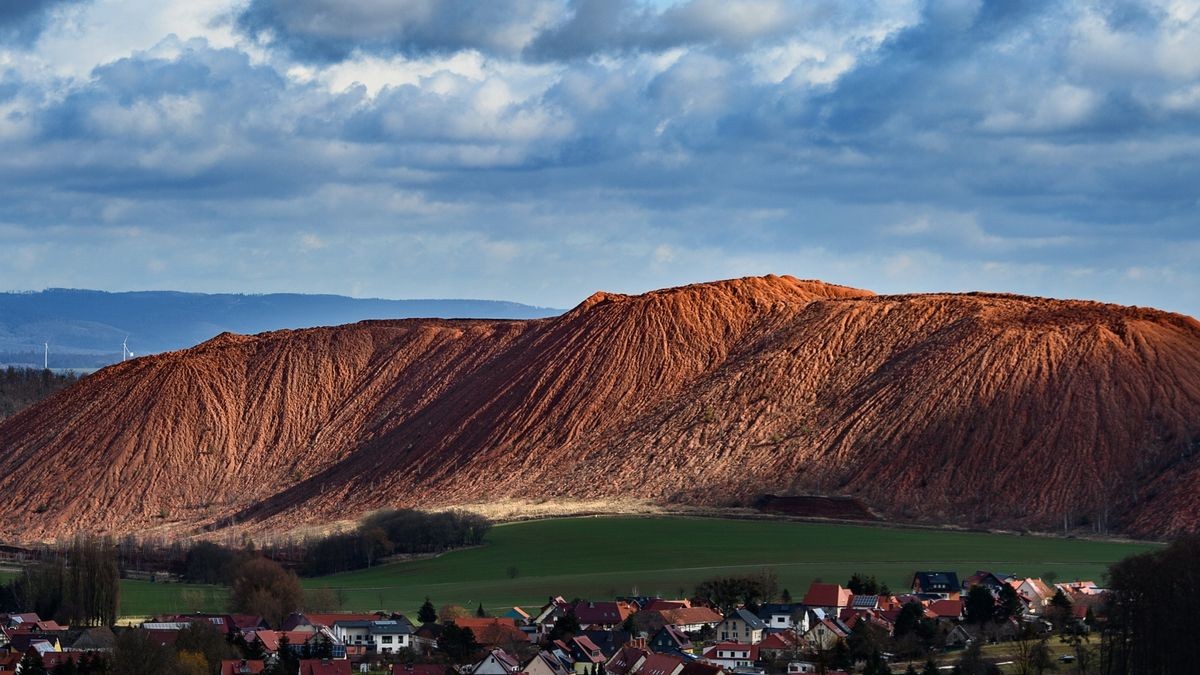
{"x":979,"y":410}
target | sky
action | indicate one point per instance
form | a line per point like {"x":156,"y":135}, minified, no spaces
{"x":541,"y":150}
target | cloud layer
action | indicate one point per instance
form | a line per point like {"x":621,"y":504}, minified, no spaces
{"x":539,"y":149}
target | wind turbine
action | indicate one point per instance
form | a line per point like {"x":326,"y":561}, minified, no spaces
{"x":125,"y":353}
{"x":46,"y":363}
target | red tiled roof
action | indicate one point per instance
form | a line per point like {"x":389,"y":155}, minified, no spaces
{"x":779,"y":641}
{"x":601,"y":612}
{"x":324,"y":667}
{"x":827,"y":595}
{"x":946,"y":609}
{"x":623,"y":660}
{"x":751,"y":651}
{"x":700,"y":668}
{"x":659,"y":664}
{"x":589,"y":649}
{"x":270,"y":638}
{"x":493,"y":631}
{"x":687,"y":616}
{"x":659,"y":605}
{"x":241,"y":666}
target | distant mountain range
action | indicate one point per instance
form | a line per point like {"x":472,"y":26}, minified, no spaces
{"x":85,"y":328}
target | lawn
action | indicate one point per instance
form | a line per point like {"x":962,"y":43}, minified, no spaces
{"x":603,"y":557}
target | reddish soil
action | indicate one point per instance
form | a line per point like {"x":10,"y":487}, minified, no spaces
{"x":972,"y":409}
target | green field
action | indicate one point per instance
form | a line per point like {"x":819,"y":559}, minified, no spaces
{"x":603,"y":557}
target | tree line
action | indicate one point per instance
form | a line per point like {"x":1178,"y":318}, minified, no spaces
{"x":22,"y":387}
{"x":384,"y":533}
{"x":76,"y":584}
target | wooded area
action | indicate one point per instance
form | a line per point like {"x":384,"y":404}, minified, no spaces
{"x":22,"y":387}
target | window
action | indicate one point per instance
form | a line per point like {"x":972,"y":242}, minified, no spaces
{"x":386,"y":639}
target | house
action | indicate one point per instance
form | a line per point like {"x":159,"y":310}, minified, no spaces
{"x":22,"y":640}
{"x":550,"y":613}
{"x":989,"y":580}
{"x":1079,"y":587}
{"x":948,"y":610}
{"x":732,"y":655}
{"x":701,"y":668}
{"x":586,"y":654}
{"x":783,"y":616}
{"x":626,"y":660}
{"x":270,"y":640}
{"x":943,"y":585}
{"x":830,"y":597}
{"x":1035,"y":592}
{"x":324,"y":667}
{"x":659,"y":605}
{"x":826,"y":633}
{"x":600,"y":615}
{"x":519,"y":616}
{"x":609,"y":641}
{"x":659,"y":664}
{"x":965,"y":633}
{"x":670,"y":640}
{"x":313,"y":621}
{"x":691,"y":619}
{"x":741,"y":625}
{"x":497,"y":662}
{"x":241,"y":667}
{"x":373,"y":637}
{"x":543,"y":663}
{"x":779,"y":644}
{"x":494,"y":631}
{"x":89,"y":639}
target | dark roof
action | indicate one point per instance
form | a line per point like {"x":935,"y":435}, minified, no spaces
{"x":936,"y":582}
{"x":864,"y":601}
{"x":771,"y":609}
{"x":609,"y":641}
{"x":676,"y":639}
{"x":700,"y":668}
{"x":660,"y":664}
{"x":747,"y":616}
{"x":83,"y":639}
{"x":597,"y":612}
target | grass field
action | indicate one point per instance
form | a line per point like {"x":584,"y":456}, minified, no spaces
{"x":603,"y":557}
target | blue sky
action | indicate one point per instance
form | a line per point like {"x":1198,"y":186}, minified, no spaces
{"x":539,"y":150}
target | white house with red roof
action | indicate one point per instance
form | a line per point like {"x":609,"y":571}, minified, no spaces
{"x":732,"y":655}
{"x":830,"y":597}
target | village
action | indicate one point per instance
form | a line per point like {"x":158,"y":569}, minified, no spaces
{"x":939,"y":624}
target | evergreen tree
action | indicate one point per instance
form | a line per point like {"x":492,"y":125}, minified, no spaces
{"x":288,"y":662}
{"x":31,"y":664}
{"x":1010,"y":603}
{"x":427,"y":613}
{"x":980,"y":605}
{"x":786,"y":597}
{"x":479,"y":612}
{"x":876,"y":665}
